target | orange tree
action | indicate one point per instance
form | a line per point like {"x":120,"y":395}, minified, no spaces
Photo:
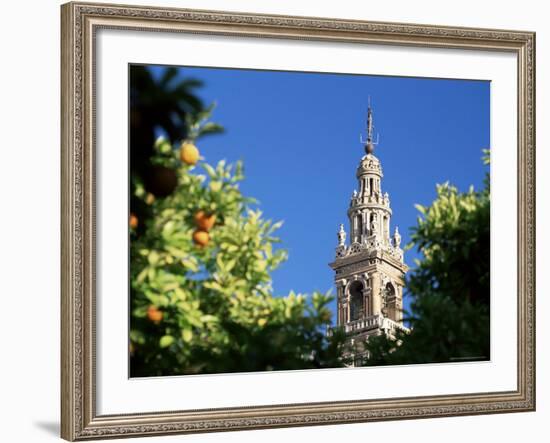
{"x":201,"y":295}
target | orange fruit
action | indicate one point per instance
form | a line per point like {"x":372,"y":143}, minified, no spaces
{"x":201,"y":238}
{"x":154,"y":314}
{"x":133,"y":221}
{"x":205,"y":221}
{"x":189,"y":154}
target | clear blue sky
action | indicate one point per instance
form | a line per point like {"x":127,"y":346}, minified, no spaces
{"x":298,"y":135}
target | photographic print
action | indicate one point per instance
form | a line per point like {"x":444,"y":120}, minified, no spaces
{"x":287,"y":220}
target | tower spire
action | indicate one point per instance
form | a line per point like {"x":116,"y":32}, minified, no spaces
{"x":369,"y":124}
{"x":370,"y":143}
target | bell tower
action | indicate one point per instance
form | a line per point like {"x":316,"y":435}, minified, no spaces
{"x":370,"y":270}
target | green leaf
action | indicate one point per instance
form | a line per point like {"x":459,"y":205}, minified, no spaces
{"x":209,"y":319}
{"x":209,"y":170}
{"x":166,"y":341}
{"x":153,"y":257}
{"x":168,"y":228}
{"x":187,"y":335}
{"x":210,"y":128}
{"x":190,"y":264}
{"x":142,"y":275}
{"x":216,"y":186}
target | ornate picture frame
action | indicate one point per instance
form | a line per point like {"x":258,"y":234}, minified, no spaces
{"x":80,"y":22}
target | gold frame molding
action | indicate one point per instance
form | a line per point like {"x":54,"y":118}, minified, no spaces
{"x":79,"y":22}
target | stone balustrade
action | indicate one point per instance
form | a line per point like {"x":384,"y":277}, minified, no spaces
{"x":374,"y":322}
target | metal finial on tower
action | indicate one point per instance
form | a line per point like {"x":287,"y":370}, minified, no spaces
{"x":370,"y":143}
{"x":369,"y":127}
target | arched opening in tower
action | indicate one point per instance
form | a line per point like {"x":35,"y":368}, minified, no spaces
{"x":359,"y":227}
{"x":357,"y":302}
{"x":391,"y":302}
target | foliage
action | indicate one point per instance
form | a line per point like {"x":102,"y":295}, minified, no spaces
{"x":450,"y":286}
{"x":218,"y":311}
{"x":455,"y":241}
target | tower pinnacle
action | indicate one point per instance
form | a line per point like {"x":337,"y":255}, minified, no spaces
{"x":370,"y":143}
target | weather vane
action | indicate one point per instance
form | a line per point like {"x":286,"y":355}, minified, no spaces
{"x":369,"y":143}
